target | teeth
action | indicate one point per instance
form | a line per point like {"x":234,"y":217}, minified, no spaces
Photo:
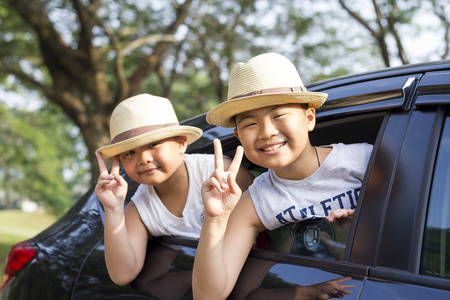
{"x":271,"y":148}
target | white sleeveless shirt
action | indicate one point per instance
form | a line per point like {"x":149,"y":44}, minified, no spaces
{"x":334,"y":185}
{"x":161,"y":222}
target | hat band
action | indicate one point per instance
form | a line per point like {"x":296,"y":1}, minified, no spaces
{"x":273,"y":91}
{"x":138,"y":131}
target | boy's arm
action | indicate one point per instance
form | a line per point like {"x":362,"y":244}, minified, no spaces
{"x":335,"y":288}
{"x":223,"y":247}
{"x":125,"y":238}
{"x":226,"y":237}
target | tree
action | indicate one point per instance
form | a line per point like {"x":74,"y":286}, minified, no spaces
{"x":86,"y":56}
{"x":388,"y":19}
{"x":69,"y":65}
{"x":37,"y":153}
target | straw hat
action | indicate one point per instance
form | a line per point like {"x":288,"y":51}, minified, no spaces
{"x":265,"y":80}
{"x":144,"y":119}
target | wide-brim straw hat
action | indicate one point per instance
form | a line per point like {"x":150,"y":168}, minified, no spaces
{"x":144,"y":119}
{"x":265,"y":80}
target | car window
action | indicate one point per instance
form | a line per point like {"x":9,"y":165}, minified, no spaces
{"x":436,"y":247}
{"x":317,"y":237}
{"x":314,"y":237}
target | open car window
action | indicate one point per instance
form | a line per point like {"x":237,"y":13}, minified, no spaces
{"x":317,"y":237}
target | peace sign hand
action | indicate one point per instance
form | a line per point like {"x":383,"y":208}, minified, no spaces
{"x":111,"y":188}
{"x":220,"y":192}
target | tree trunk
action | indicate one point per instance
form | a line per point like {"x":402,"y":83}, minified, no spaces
{"x":78,"y":75}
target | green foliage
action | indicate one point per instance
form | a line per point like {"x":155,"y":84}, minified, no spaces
{"x":39,"y":159}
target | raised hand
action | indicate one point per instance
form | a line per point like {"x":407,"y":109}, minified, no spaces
{"x":111,"y":188}
{"x":220,"y":192}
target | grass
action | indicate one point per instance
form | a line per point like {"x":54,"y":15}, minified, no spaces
{"x":17,"y":226}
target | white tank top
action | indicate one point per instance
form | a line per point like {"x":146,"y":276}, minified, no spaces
{"x":155,"y":216}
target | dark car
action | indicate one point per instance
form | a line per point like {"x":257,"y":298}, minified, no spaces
{"x":397,"y":246}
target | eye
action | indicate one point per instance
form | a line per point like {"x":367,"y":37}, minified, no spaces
{"x":129,"y":153}
{"x":279,"y":115}
{"x":247,"y":125}
{"x":126,"y":155}
{"x":152,"y":145}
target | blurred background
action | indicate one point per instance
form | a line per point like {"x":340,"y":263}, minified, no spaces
{"x":65,"y":65}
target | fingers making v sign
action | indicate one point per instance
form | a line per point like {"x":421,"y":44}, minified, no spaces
{"x":111,"y":188}
{"x":221,"y":192}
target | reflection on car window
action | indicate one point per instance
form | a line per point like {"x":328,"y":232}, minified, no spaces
{"x":314,"y":237}
{"x":436,"y":248}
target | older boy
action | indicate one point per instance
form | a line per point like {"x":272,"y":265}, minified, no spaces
{"x":272,"y":113}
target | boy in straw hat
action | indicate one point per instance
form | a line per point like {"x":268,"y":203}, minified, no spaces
{"x":150,"y":144}
{"x":272,"y":113}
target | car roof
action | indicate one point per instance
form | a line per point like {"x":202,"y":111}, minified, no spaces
{"x":378,"y":74}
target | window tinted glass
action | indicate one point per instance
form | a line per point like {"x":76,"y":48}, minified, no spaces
{"x":313,"y":237}
{"x":436,"y":248}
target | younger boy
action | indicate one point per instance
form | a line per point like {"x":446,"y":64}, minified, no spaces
{"x":150,"y":144}
{"x":272,"y":113}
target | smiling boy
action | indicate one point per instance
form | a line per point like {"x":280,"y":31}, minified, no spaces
{"x":148,"y":141}
{"x":272,"y":113}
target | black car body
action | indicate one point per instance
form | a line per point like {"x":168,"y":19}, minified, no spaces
{"x":398,"y":245}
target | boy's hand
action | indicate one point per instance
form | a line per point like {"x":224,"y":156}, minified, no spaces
{"x":111,"y":188}
{"x":332,"y":289}
{"x":340,"y":213}
{"x":220,"y":192}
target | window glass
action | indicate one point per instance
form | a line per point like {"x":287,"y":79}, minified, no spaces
{"x":314,"y":237}
{"x":436,"y":248}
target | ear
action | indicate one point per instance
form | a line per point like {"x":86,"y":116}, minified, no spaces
{"x":236,"y":134}
{"x":182,"y":141}
{"x":310,"y":118}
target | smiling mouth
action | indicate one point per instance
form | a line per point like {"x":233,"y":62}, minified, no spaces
{"x":273,"y":147}
{"x":148,"y":171}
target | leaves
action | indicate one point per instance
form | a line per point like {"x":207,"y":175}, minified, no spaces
{"x":39,"y":159}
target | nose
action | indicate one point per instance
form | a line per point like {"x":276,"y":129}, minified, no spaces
{"x":267,"y":130}
{"x":145,"y":157}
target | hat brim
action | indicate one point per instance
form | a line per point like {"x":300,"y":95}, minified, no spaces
{"x":222,"y":115}
{"x":192,"y":134}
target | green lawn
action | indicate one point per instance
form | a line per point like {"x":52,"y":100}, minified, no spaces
{"x":16,"y":226}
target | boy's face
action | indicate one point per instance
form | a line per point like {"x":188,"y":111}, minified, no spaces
{"x":154,"y":163}
{"x":274,"y":137}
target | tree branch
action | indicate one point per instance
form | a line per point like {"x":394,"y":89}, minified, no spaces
{"x":27,"y":79}
{"x":123,"y":86}
{"x":379,"y":35}
{"x":439,"y":12}
{"x":150,"y":62}
{"x":358,"y":18}
{"x":152,"y":38}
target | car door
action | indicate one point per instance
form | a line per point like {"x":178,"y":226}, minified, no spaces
{"x":411,"y":255}
{"x":382,"y":243}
